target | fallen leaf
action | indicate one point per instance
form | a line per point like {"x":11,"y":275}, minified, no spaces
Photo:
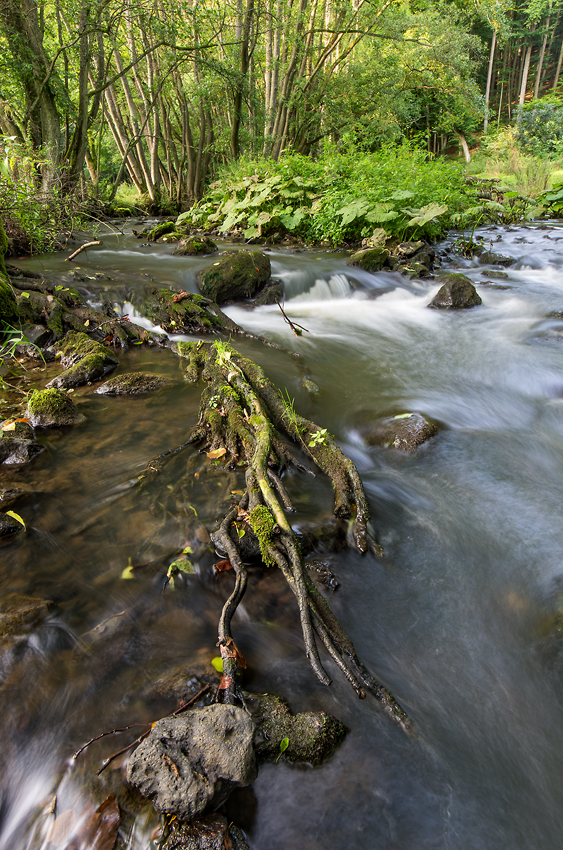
{"x":232,"y":651}
{"x":225,"y":683}
{"x":10,"y":427}
{"x":217,"y":453}
{"x":403,"y":416}
{"x":222,"y":566}
{"x":100,"y":832}
{"x":61,"y":829}
{"x":16,"y":516}
{"x":180,"y":296}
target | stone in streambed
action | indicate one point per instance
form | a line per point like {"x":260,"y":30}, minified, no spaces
{"x":237,"y":275}
{"x":17,"y":443}
{"x":9,"y":526}
{"x":369,"y":259}
{"x":404,"y":432}
{"x":312,"y":735}
{"x":457,"y":293}
{"x":489,"y":258}
{"x":194,"y":760}
{"x":20,"y":613}
{"x":133,"y":383}
{"x":52,"y":408}
{"x":208,"y":832}
{"x":193,"y":245}
{"x":83,"y":359}
{"x":179,"y":312}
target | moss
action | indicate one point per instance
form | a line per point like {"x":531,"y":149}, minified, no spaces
{"x":185,"y":349}
{"x":8,"y":304}
{"x":161,"y":230}
{"x":188,"y":315}
{"x":51,"y":407}
{"x":85,"y":360}
{"x":262,"y":524}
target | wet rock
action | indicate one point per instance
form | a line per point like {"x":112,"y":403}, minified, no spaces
{"x":154,"y":233}
{"x":271,"y":293}
{"x":324,"y":537}
{"x":52,"y":408}
{"x":192,"y":761}
{"x":323,"y":574}
{"x":310,"y":386}
{"x":377,"y":239}
{"x":495,"y":275}
{"x":11,"y":496}
{"x":313,"y":735}
{"x":21,"y":613}
{"x":237,"y":275}
{"x":409,"y":249}
{"x":9,"y":526}
{"x":404,"y":432}
{"x":369,"y":259}
{"x":179,"y":312}
{"x":489,"y":258}
{"x":37,"y":336}
{"x":182,"y":683}
{"x":192,"y":245}
{"x":18,"y":446}
{"x":457,"y":293}
{"x":133,"y":383}
{"x":83,"y":359}
{"x":209,"y":832}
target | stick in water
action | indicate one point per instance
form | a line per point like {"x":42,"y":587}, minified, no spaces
{"x":83,"y":248}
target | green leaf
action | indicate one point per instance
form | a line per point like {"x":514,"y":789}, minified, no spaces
{"x":426,"y":214}
{"x":16,"y":516}
{"x":218,"y":664}
{"x":403,"y":416}
{"x":181,"y":565}
{"x":241,"y":532}
{"x":128,"y":571}
{"x":284,"y":744}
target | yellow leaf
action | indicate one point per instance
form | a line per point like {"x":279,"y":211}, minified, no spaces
{"x":87,"y":322}
{"x":218,"y":664}
{"x":217,"y":453}
{"x":127,"y":572}
{"x":10,"y":427}
{"x":14,"y":515}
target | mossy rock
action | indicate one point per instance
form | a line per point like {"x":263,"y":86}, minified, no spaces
{"x":52,"y":408}
{"x":490,"y":258}
{"x":83,"y":359}
{"x":188,"y":314}
{"x":193,"y":245}
{"x":9,"y":313}
{"x":457,"y":293}
{"x":369,"y":259}
{"x":237,"y":275}
{"x":160,"y":230}
{"x":133,"y":383}
{"x":312,"y":735}
{"x":20,"y":613}
{"x":18,"y":446}
{"x":208,"y":832}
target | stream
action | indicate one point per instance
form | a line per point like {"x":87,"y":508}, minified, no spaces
{"x":458,"y":619}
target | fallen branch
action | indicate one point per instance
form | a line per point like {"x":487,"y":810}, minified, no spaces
{"x":83,"y":248}
{"x":297,"y":329}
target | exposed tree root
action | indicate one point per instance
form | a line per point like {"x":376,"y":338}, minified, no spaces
{"x":245,"y":421}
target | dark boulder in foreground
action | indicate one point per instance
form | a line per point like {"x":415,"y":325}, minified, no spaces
{"x":237,"y":275}
{"x":132,"y":383}
{"x":192,"y":761}
{"x":404,"y":432}
{"x":209,"y":832}
{"x":457,"y":293}
{"x":17,"y":443}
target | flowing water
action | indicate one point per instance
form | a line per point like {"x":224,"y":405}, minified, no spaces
{"x":459,"y":619}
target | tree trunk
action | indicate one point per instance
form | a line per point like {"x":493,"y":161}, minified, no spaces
{"x":489,"y":77}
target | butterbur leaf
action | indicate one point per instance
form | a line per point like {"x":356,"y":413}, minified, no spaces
{"x":217,"y":453}
{"x":15,"y":516}
{"x":217,"y":663}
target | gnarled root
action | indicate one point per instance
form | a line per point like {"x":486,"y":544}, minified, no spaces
{"x":245,"y":421}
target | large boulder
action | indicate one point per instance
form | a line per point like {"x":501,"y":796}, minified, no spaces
{"x":370,"y":259}
{"x":194,"y":760}
{"x":404,"y":432}
{"x":490,"y":258}
{"x":133,"y":383}
{"x":456,"y":293}
{"x":52,"y":408}
{"x":237,"y":275}
{"x":179,"y":312}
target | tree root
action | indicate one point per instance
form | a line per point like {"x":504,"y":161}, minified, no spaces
{"x":245,"y":421}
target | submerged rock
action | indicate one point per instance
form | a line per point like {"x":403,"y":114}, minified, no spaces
{"x":404,"y":432}
{"x":18,"y":444}
{"x":271,"y":293}
{"x":133,"y":383}
{"x":489,"y":258}
{"x":191,"y":245}
{"x":208,"y":832}
{"x":312,"y":735}
{"x":457,"y":293}
{"x":192,"y":761}
{"x":20,"y":613}
{"x":9,"y":526}
{"x":237,"y":275}
{"x":369,"y":259}
{"x":83,"y":359}
{"x":52,"y":408}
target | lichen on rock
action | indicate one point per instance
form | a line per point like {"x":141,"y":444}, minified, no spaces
{"x":52,"y":408}
{"x":132,"y":383}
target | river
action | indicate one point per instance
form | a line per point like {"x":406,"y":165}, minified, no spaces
{"x":456,"y":619}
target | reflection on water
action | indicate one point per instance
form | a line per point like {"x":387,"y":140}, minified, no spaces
{"x":455,"y":620}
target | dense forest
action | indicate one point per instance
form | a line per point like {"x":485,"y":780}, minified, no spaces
{"x":162,"y":97}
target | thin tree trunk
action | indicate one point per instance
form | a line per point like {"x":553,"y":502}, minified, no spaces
{"x":489,"y":76}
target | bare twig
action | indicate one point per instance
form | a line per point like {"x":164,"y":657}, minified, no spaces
{"x":297,"y":329}
{"x":83,"y":248}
